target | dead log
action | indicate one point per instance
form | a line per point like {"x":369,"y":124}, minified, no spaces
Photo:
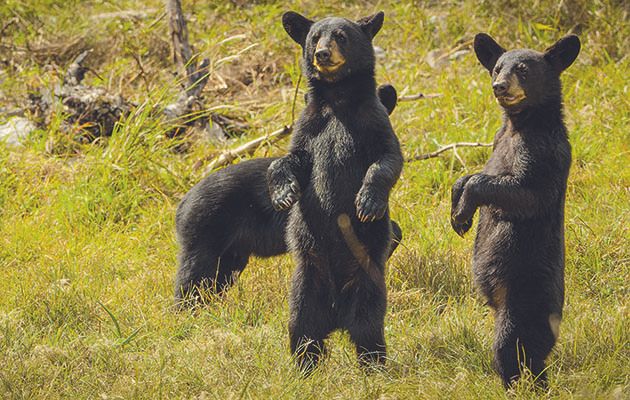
{"x":76,"y":71}
{"x":89,"y":111}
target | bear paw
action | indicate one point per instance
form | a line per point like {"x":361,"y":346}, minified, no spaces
{"x":461,"y":212}
{"x":370,"y":207}
{"x":285,"y":195}
{"x":457,"y":190}
{"x":461,"y":227}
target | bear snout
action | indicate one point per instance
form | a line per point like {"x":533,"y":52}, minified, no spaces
{"x":322,"y":55}
{"x":500,"y":88}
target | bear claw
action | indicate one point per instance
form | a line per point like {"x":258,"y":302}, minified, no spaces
{"x":461,"y":227}
{"x":285,"y":196}
{"x":369,"y":209}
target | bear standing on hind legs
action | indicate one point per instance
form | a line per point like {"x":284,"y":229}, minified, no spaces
{"x":228,"y":217}
{"x":343,"y":161}
{"x":518,"y":259}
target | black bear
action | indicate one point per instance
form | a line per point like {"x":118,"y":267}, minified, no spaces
{"x":227,"y":217}
{"x":342,"y":163}
{"x":518,"y":258}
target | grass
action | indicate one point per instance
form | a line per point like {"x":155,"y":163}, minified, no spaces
{"x":87,"y":247}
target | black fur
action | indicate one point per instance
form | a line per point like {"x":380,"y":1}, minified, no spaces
{"x":344,"y":159}
{"x":228,"y":217}
{"x":518,"y":258}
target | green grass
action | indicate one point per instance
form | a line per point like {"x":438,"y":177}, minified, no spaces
{"x":87,"y":247}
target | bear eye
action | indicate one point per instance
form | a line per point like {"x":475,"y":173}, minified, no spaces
{"x":497,"y":69}
{"x":315,"y":37}
{"x":340,"y":36}
{"x":521,"y":69}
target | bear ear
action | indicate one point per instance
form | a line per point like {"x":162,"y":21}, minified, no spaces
{"x":388,"y":97}
{"x":562,"y":54}
{"x":487,"y":50}
{"x":296,"y":26}
{"x":372,"y":24}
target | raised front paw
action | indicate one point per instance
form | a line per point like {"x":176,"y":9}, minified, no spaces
{"x":463,"y":206}
{"x":284,"y":188}
{"x":284,"y":195}
{"x":458,"y":189}
{"x":370,"y":207}
{"x":461,"y":227}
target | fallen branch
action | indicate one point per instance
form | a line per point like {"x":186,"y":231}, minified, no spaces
{"x":127,"y":14}
{"x":464,"y":45}
{"x":452,"y":146}
{"x":11,"y":112}
{"x":248,"y":148}
{"x":419,"y":96}
{"x":439,"y":58}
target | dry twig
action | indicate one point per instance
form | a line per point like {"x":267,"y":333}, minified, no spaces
{"x":250,"y":147}
{"x":419,"y":96}
{"x":126,"y":14}
{"x":452,"y":146}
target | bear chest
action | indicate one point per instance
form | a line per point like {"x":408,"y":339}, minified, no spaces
{"x":510,"y":157}
{"x":335,"y":145}
{"x":340,"y":162}
{"x":337,"y":151}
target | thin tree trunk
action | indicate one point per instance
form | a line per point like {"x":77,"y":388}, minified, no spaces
{"x":182,"y":53}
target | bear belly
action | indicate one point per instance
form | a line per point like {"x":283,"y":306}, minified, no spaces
{"x":518,"y":259}
{"x":491,"y":255}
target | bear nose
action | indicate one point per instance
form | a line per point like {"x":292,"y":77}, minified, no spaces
{"x":322,"y":55}
{"x":500,"y":88}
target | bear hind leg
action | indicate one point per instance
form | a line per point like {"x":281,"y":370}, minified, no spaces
{"x":522,"y":343}
{"x":370,"y":346}
{"x":201,"y":271}
{"x":367,"y":330}
{"x":311,"y":321}
{"x":231,"y":264}
{"x":307,"y":332}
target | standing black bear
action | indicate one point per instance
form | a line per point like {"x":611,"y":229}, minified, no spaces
{"x":518,"y":259}
{"x":343,"y":161}
{"x":227,"y":217}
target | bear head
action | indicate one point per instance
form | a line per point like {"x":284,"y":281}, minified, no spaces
{"x":334,"y":48}
{"x":525,"y":78}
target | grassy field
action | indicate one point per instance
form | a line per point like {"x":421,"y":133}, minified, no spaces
{"x":87,"y":244}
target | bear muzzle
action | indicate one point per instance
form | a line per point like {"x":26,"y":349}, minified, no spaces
{"x":328,"y":58}
{"x":508,"y":92}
